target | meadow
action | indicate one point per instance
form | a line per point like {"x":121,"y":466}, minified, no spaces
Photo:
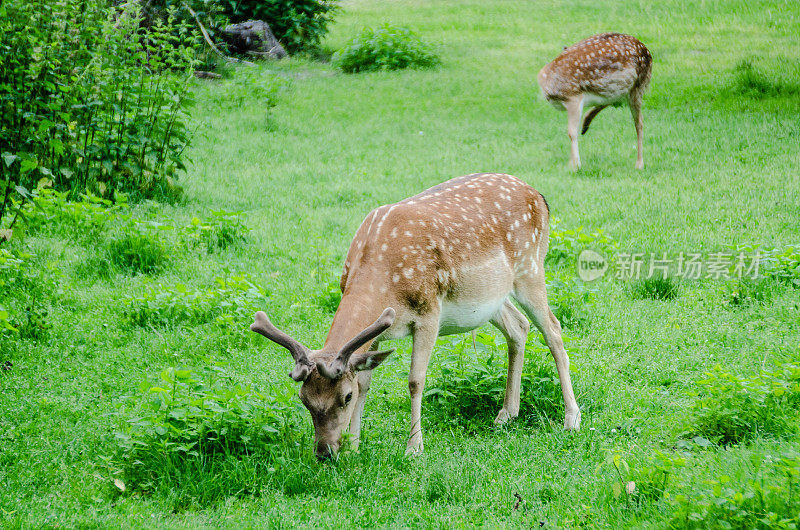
{"x":689,"y":400}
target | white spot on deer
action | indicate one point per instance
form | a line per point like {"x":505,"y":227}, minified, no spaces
{"x":408,"y":272}
{"x":409,"y":234}
{"x":527,"y":244}
{"x":384,"y":247}
{"x":497,"y":205}
{"x":380,"y":257}
{"x":394,"y":232}
{"x":396,"y":278}
{"x":508,"y":236}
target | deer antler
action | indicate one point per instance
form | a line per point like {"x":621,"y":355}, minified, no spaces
{"x":302,"y":366}
{"x":337,"y":367}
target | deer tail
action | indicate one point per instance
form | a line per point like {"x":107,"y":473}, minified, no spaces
{"x":587,"y":120}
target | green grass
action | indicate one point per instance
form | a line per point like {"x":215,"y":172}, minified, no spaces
{"x":721,"y":170}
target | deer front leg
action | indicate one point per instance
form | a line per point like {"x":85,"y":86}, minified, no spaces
{"x":574,"y":108}
{"x":364,"y":379}
{"x":424,"y":340}
{"x":514,"y":326}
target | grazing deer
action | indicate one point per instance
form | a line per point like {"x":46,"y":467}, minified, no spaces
{"x":442,"y":262}
{"x":602,"y":70}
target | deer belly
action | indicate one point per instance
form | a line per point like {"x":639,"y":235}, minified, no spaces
{"x":458,"y":316}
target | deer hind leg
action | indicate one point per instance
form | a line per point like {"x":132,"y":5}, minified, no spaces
{"x":364,"y":380}
{"x":531,"y":293}
{"x":424,"y":339}
{"x":635,"y":103}
{"x":514,"y":327}
{"x":574,"y":108}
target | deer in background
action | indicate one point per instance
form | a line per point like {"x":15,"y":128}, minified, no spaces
{"x":442,"y":262}
{"x":603,"y":70}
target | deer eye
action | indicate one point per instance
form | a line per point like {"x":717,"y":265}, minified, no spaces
{"x":348,"y":397}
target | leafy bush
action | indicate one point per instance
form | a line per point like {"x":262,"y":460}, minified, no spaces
{"x":781,"y":264}
{"x":50,"y":211}
{"x":232,"y":301}
{"x":26,"y":290}
{"x":570,"y":300}
{"x":329,"y":297}
{"x":768,"y":500}
{"x":638,"y":483}
{"x":386,"y":47}
{"x":733,"y":409}
{"x":569,"y":297}
{"x":193,"y":422}
{"x":469,"y":392}
{"x":655,"y":288}
{"x":90,"y":100}
{"x":218,"y":232}
{"x":567,"y":244}
{"x":743,"y":291}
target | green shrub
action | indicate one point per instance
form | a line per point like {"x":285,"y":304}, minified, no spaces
{"x":768,"y":500}
{"x":655,"y":288}
{"x":469,"y":392}
{"x":386,"y":47}
{"x":26,"y":291}
{"x":569,"y":297}
{"x":566,"y":245}
{"x":52,"y":212}
{"x":570,"y":300}
{"x":90,"y":100}
{"x":329,"y":297}
{"x":639,"y":482}
{"x":743,"y":291}
{"x":782,"y":265}
{"x":218,"y":232}
{"x":734,"y":409}
{"x":233,"y":300}
{"x":193,"y":425}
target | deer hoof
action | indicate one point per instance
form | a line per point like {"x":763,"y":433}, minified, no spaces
{"x":503,"y":417}
{"x":572,"y":421}
{"x":415,"y":447}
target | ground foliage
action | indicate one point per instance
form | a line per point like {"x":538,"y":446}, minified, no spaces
{"x":652,"y":451}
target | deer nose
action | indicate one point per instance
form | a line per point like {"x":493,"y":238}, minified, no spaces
{"x":326,"y":451}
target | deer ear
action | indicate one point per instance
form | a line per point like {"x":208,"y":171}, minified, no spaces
{"x":368,"y":359}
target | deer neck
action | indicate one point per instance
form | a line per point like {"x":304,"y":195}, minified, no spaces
{"x":356,"y":311}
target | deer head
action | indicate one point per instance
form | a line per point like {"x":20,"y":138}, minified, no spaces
{"x":330,"y":384}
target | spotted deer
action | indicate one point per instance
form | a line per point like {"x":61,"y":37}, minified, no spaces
{"x":442,"y":262}
{"x":603,"y":70}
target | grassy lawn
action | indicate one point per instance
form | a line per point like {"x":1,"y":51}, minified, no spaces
{"x":721,"y":171}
